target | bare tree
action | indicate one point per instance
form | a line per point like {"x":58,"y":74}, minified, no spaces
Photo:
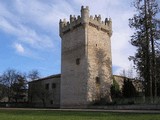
{"x":19,"y":87}
{"x":33,"y":75}
{"x":8,"y":79}
{"x":129,"y":73}
{"x":13,"y":83}
{"x":38,"y":90}
{"x":3,"y":90}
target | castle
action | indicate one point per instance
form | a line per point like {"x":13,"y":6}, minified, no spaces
{"x":86,"y":59}
{"x":86,"y":64}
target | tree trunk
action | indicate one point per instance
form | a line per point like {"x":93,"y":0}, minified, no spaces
{"x":153,"y":62}
{"x":148,"y":78}
{"x":44,"y":104}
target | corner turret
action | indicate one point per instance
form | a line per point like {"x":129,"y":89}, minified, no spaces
{"x":85,"y":15}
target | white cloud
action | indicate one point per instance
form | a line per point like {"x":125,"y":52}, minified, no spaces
{"x":44,"y":14}
{"x":120,"y":12}
{"x":23,"y":50}
{"x":27,"y":35}
{"x":35,"y":22}
{"x":19,"y":48}
{"x":16,"y":25}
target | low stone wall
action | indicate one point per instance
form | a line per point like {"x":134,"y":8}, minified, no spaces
{"x":14,"y":104}
{"x":127,"y":107}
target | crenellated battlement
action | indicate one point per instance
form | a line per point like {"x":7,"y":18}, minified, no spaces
{"x":85,"y":19}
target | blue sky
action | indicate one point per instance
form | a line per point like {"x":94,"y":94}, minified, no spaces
{"x":29,"y":34}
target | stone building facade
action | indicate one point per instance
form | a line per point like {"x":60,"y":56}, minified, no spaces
{"x":48,"y":88}
{"x":86,"y":66}
{"x":138,"y":85}
{"x":45,"y":92}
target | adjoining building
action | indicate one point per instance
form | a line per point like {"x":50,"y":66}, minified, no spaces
{"x":137,"y":84}
{"x":45,"y":92}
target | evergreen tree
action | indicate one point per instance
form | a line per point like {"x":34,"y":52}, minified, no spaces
{"x":128,"y":89}
{"x":145,"y":40}
{"x":115,"y":90}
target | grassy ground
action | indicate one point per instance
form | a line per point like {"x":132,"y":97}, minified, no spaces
{"x":58,"y":115}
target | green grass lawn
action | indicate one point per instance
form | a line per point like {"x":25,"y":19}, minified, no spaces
{"x":59,"y":115}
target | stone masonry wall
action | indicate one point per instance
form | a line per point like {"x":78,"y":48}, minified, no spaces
{"x":86,"y":60}
{"x":73,"y":80}
{"x":100,"y":65}
{"x":52,"y":97}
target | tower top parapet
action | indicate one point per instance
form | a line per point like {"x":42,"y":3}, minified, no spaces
{"x":85,"y":19}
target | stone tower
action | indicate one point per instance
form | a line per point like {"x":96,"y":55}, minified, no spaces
{"x":86,"y":65}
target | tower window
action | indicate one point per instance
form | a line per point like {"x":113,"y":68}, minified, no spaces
{"x":51,"y":102}
{"x":53,"y":85}
{"x":77,"y":61}
{"x":97,"y":80}
{"x":47,"y":86}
